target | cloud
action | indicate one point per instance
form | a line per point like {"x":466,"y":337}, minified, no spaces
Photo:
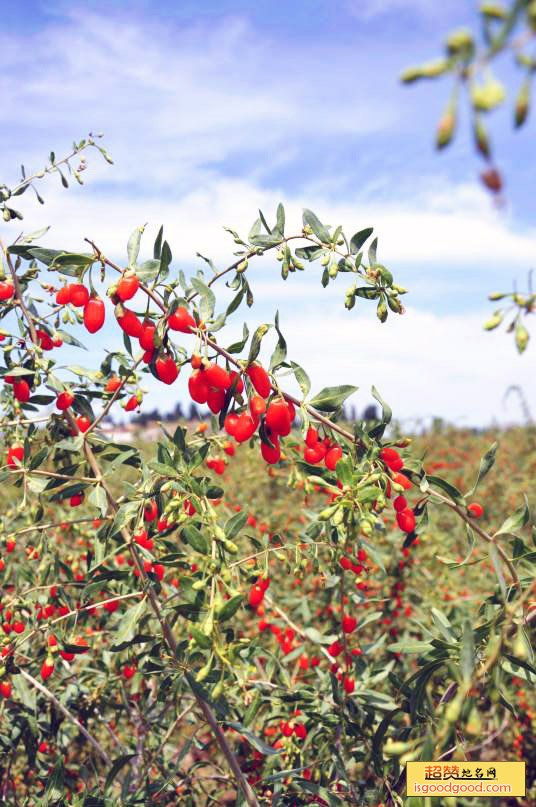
{"x":423,"y":364}
{"x":180,"y":98}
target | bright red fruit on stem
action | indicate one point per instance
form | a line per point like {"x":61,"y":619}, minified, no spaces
{"x":129,"y":670}
{"x":256,"y":596}
{"x":166,"y":369}
{"x":94,"y":314}
{"x":113,"y":384}
{"x":475,"y":509}
{"x":150,"y":511}
{"x":257,"y":406}
{"x":400,"y":504}
{"x":47,"y":668}
{"x":311,"y":438}
{"x":64,"y":400}
{"x":181,"y":320}
{"x":406,"y":520}
{"x":278,"y":417}
{"x":348,"y":684}
{"x":21,"y":391}
{"x":403,"y":481}
{"x":16,"y":451}
{"x":332,"y":457}
{"x":63,"y":295}
{"x":389,"y":454}
{"x":271,"y":454}
{"x":217,"y":377}
{"x":215,"y":400}
{"x":78,"y":295}
{"x":147,"y":336}
{"x":230,"y":424}
{"x":5,"y":689}
{"x":349,"y":623}
{"x":132,"y":403}
{"x":315,"y":455}
{"x":260,"y":379}
{"x":198,"y":387}
{"x":6,"y":290}
{"x":83,"y":423}
{"x":128,"y":321}
{"x":245,"y":427}
{"x":239,"y":387}
{"x":127,"y":286}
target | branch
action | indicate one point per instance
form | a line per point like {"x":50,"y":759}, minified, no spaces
{"x":52,"y":698}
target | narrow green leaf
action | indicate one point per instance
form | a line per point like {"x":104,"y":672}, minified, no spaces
{"x":359,"y":239}
{"x":127,"y":624}
{"x":321,"y":232}
{"x":331,"y":398}
{"x":133,"y":246}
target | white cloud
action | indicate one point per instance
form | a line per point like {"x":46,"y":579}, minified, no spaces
{"x":184,"y":110}
{"x":172,"y":99}
{"x":423,"y":364}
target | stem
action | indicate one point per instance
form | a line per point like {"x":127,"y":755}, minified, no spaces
{"x":52,"y":698}
{"x":482,"y":533}
{"x":18,"y":295}
{"x":232,"y":761}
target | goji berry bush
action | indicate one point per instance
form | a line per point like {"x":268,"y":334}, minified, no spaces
{"x":278,"y":608}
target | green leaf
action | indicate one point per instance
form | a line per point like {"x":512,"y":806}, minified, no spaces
{"x":55,"y":784}
{"x":157,"y":249}
{"x":359,"y":239}
{"x":38,"y":458}
{"x":201,"y":639}
{"x":520,"y":518}
{"x":280,"y":353}
{"x":372,"y":252}
{"x":310,"y":253}
{"x":321,"y":232}
{"x":518,"y":669}
{"x":471,"y":543}
{"x":445,"y":486}
{"x":467,"y":652}
{"x":148,"y":270}
{"x":208,"y":298}
{"x":280,"y":216}
{"x":235,"y":302}
{"x":98,"y":498}
{"x":230,"y":608}
{"x":302,"y":378}
{"x":318,"y":638}
{"x":257,"y":743}
{"x":410,"y":647}
{"x":443,"y":624}
{"x":117,"y":764}
{"x":494,"y":555}
{"x":256,"y":342}
{"x":124,"y":514}
{"x":379,"y":429}
{"x":195,"y":539}
{"x":235,"y":524}
{"x":133,"y":246}
{"x":127,"y":624}
{"x":238,"y":347}
{"x":331,"y":398}
{"x":486,"y":463}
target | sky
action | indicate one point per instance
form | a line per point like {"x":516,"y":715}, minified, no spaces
{"x":214,"y":109}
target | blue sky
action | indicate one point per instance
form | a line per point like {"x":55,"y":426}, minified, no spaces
{"x":211,"y":110}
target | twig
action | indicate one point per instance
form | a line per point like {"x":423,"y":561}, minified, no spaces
{"x":52,"y":698}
